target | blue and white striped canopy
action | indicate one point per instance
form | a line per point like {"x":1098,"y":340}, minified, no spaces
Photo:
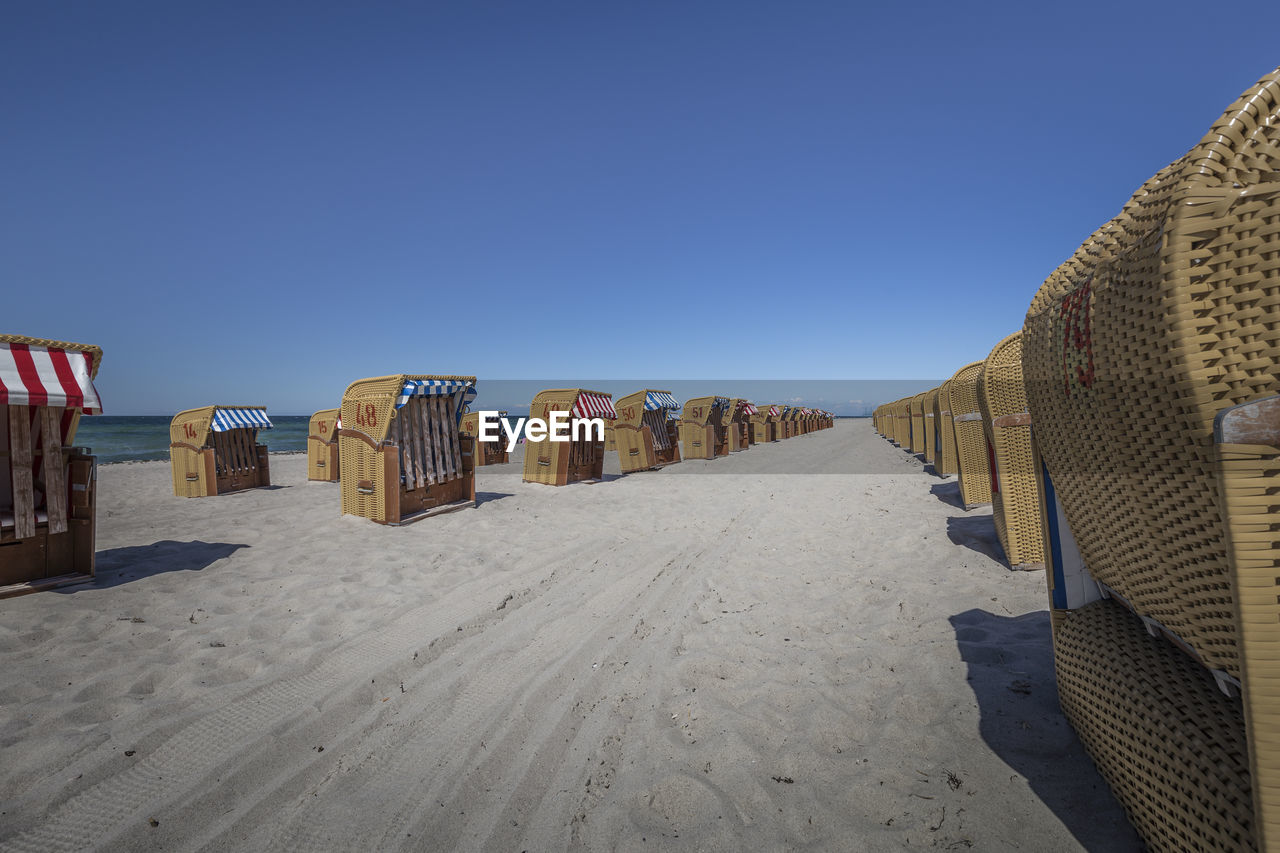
{"x":720,"y":403}
{"x":659,"y":400}
{"x":239,"y":418}
{"x":462,"y":390}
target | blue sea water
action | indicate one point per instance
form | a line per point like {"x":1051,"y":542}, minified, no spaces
{"x":121,"y":438}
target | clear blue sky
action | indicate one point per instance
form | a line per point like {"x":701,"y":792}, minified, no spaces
{"x":260,"y":202}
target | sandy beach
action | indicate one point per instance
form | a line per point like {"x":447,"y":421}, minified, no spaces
{"x":806,"y":645}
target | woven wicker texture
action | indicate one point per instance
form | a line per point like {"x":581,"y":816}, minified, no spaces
{"x":971,"y":442}
{"x":1015,"y":496}
{"x":1167,"y":315}
{"x":916,"y":409}
{"x":322,"y":446}
{"x":902,"y":423}
{"x":931,"y":425}
{"x":1168,"y":742}
{"x":945,"y":463}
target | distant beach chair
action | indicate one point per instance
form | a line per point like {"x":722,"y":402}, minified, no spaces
{"x":971,"y":441}
{"x":764,"y":423}
{"x":486,"y":452}
{"x":646,"y":437}
{"x":610,"y":440}
{"x":737,"y":423}
{"x":322,"y":446}
{"x":559,"y":463}
{"x":945,"y":432}
{"x":916,"y":405}
{"x":931,"y":427}
{"x":402,"y":452}
{"x":1006,"y":423}
{"x":902,"y":423}
{"x":47,"y":485}
{"x":1150,"y":360}
{"x":702,"y":432}
{"x":214,"y":450}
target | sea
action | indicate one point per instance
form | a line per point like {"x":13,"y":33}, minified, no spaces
{"x":130,"y":438}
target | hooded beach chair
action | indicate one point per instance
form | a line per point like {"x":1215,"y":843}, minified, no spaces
{"x":702,"y":432}
{"x":401,"y":450}
{"x":645,"y":434}
{"x":1151,"y":361}
{"x":916,"y":407}
{"x":902,"y":423}
{"x":930,"y":405}
{"x":47,"y":485}
{"x":971,"y":441}
{"x":944,"y":462}
{"x":214,"y":450}
{"x":764,"y":423}
{"x":1006,"y":423}
{"x":486,"y":452}
{"x":322,"y":446}
{"x":737,"y":423}
{"x":559,"y":463}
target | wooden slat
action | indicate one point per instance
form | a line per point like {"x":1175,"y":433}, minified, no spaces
{"x":419,"y":443}
{"x":441,"y":438}
{"x":451,"y":461}
{"x":55,"y":472}
{"x":24,"y":498}
{"x":455,"y":435}
{"x":251,"y":450}
{"x":234,"y":462}
{"x":432,"y":442}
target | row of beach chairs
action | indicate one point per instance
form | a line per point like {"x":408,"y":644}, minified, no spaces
{"x":1128,"y":439}
{"x":401,"y":447}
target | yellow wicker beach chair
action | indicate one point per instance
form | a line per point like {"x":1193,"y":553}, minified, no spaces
{"x":944,"y":462}
{"x":322,"y":446}
{"x":737,"y":423}
{"x":47,"y":484}
{"x":214,"y":450}
{"x":971,"y":442}
{"x":401,"y":452}
{"x":930,"y":406}
{"x":558,"y":463}
{"x":764,"y":423}
{"x":916,"y":410}
{"x":702,"y":432}
{"x":1006,"y":423}
{"x":903,"y":426}
{"x":646,"y":434}
{"x":486,"y":452}
{"x":1151,"y":360}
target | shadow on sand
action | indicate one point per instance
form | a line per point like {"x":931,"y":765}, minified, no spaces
{"x":948,"y":493}
{"x":487,"y":497}
{"x":117,"y":566}
{"x":1010,"y":669}
{"x":977,"y":533}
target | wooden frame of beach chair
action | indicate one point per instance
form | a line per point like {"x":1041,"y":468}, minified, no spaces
{"x":1006,"y":424}
{"x":48,"y":486}
{"x":646,"y":437}
{"x":1150,"y":359}
{"x":610,"y":440}
{"x":764,"y":423}
{"x":971,"y":440}
{"x":402,"y":453}
{"x":737,"y":424}
{"x":486,"y":452}
{"x":559,"y":463}
{"x":930,"y":406}
{"x":944,"y":462}
{"x":322,"y":446}
{"x":702,"y":432}
{"x":916,"y":405}
{"x":214,"y":450}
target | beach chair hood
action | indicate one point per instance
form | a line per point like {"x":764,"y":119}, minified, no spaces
{"x":37,"y":372}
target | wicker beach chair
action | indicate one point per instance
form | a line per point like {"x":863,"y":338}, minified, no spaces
{"x":401,"y":452}
{"x":1151,"y":360}
{"x":931,"y":426}
{"x":559,"y":463}
{"x":702,"y":432}
{"x":764,"y":423}
{"x":322,"y":446}
{"x":944,"y":462}
{"x":916,"y":410}
{"x":1006,"y":423}
{"x":646,"y":436}
{"x":737,"y":423}
{"x":486,"y":452}
{"x":214,"y":450}
{"x":47,"y":484}
{"x":971,"y":442}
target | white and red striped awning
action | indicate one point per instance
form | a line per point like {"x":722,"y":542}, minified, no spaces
{"x":592,"y":405}
{"x":774,"y":411}
{"x":32,"y":375}
{"x":748,"y":408}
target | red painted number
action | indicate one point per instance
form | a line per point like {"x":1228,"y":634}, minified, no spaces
{"x":367,"y":417}
{"x":189,"y":430}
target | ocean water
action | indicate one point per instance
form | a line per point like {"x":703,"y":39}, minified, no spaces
{"x":119,"y":438}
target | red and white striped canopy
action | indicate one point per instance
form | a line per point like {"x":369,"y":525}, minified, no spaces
{"x":592,"y":405}
{"x":33,"y":375}
{"x":748,"y":408}
{"x":774,"y":411}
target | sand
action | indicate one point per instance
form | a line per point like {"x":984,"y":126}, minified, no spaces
{"x":809,"y":646}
